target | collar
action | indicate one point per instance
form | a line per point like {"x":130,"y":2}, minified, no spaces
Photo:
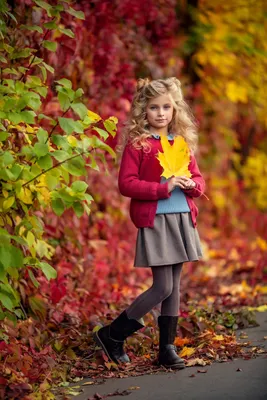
{"x":170,"y":136}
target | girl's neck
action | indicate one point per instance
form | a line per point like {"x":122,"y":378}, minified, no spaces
{"x":163,"y":131}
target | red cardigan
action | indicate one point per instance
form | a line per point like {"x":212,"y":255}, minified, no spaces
{"x":139,"y":179}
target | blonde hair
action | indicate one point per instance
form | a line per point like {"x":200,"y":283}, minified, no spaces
{"x":136,"y":128}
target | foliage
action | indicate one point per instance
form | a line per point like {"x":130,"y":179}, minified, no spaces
{"x":171,"y":164}
{"x":41,"y":157}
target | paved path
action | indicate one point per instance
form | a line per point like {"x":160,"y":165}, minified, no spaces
{"x":221,"y":382}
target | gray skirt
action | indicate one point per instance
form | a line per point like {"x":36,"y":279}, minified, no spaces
{"x":173,"y":240}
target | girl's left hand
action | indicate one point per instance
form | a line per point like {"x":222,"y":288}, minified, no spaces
{"x":190,"y":184}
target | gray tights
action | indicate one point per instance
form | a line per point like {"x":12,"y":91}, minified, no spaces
{"x":165,"y":290}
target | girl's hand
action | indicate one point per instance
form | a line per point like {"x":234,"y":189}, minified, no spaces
{"x":190,"y":184}
{"x":181,"y":181}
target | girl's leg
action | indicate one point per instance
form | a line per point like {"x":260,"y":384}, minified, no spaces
{"x":171,"y":305}
{"x":161,"y":288}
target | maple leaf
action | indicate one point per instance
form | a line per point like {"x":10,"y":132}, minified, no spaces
{"x":175,"y":158}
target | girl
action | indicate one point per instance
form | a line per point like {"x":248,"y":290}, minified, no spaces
{"x":163,"y":211}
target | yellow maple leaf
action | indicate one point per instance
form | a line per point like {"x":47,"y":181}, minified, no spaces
{"x":187,"y":352}
{"x":175,"y":158}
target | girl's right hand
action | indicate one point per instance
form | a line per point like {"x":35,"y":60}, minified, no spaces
{"x":180,"y":181}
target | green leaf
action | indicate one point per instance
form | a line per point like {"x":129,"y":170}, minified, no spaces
{"x":48,"y":67}
{"x":48,"y":271}
{"x":42,"y":4}
{"x":60,"y":155}
{"x":64,"y":101}
{"x":3,"y":59}
{"x":51,"y":25}
{"x":75,"y":166}
{"x":110,"y":126}
{"x":6,"y":301}
{"x":78,"y":208}
{"x":60,"y":141}
{"x":77,"y":14}
{"x":79,"y":186}
{"x":58,"y":207}
{"x":80,"y":109}
{"x":41,"y":90}
{"x":101,"y":132}
{"x":67,"y":32}
{"x":32,"y":28}
{"x":33,"y":279}
{"x":69,"y":125}
{"x":11,"y":256}
{"x":52,"y":46}
{"x":65,"y":83}
{"x":7,"y":158}
{"x":45,"y":162}
{"x":28,"y":116}
{"x":42,"y":135}
{"x":40,"y":149}
{"x":21,"y":53}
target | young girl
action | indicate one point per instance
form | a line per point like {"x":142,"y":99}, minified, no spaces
{"x":163,"y":211}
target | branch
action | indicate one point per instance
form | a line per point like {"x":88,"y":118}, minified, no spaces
{"x":56,"y":165}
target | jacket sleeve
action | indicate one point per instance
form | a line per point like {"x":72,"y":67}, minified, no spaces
{"x":199,"y":189}
{"x":130,"y":184}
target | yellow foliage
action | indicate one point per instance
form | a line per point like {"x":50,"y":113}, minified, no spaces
{"x":187,"y":352}
{"x":236,"y":92}
{"x":95,"y":117}
{"x":25,"y":195}
{"x":175,"y":158}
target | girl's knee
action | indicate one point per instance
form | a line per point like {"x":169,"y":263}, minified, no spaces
{"x":164,"y":292}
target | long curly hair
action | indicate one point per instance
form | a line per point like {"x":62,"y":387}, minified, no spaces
{"x":136,"y":128}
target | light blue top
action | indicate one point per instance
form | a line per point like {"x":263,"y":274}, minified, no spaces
{"x":176,"y":203}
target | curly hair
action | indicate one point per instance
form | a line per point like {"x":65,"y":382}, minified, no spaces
{"x":136,"y":128}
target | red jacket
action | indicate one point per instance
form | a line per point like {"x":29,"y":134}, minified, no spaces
{"x":139,"y":179}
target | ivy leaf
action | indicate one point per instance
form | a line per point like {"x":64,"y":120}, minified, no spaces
{"x":175,"y":158}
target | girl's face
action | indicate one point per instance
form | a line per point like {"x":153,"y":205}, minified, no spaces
{"x":159,"y":113}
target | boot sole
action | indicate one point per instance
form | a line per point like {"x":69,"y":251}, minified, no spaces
{"x":174,"y":366}
{"x":101,"y":344}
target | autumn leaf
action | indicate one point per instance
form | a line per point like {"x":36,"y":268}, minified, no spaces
{"x":187,"y":352}
{"x":175,"y":158}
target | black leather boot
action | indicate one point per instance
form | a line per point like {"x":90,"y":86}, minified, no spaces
{"x":111,"y":337}
{"x":167,"y":351}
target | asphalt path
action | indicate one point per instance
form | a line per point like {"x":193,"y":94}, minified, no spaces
{"x":238,"y":379}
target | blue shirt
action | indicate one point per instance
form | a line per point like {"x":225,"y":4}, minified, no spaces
{"x":176,"y":203}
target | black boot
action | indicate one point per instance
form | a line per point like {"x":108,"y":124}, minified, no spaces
{"x":167,"y":351}
{"x":111,"y":337}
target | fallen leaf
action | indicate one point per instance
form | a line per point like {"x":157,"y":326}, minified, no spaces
{"x":192,"y":376}
{"x":133,"y":387}
{"x":88,"y":383}
{"x":195,"y":361}
{"x":187,"y":352}
{"x":202,"y":371}
{"x":239,"y":369}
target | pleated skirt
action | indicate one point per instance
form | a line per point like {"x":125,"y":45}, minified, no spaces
{"x":172,"y":240}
